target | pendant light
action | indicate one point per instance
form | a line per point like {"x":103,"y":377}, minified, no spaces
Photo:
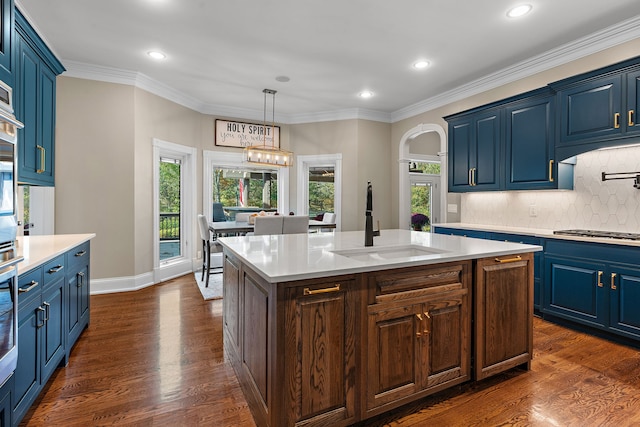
{"x":268,"y":154}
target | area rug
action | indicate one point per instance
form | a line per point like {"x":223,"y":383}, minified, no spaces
{"x":214,"y":291}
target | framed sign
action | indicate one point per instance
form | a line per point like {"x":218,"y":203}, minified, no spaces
{"x":240,"y":135}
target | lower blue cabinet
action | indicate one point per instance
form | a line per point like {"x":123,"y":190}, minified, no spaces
{"x":461,"y":232}
{"x":5,"y":402}
{"x":53,"y":310}
{"x":593,"y":284}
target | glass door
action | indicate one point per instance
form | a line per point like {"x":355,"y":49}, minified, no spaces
{"x":425,"y":195}
{"x":170,"y":203}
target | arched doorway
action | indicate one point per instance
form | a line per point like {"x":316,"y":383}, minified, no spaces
{"x":405,"y":156}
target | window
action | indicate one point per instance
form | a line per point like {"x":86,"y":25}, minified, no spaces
{"x":424,"y":178}
{"x":319,"y":185}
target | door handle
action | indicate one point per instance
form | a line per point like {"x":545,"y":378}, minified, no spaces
{"x":39,"y":325}
{"x":42,"y":158}
{"x":630,"y":118}
{"x":613,"y":281}
{"x":600,"y":285}
{"x":616,"y":120}
{"x":551,"y":170}
{"x":46,"y":311}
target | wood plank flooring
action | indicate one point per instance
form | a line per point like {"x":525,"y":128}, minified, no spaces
{"x":154,"y":358}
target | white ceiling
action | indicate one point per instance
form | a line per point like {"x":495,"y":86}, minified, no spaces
{"x":222,"y":53}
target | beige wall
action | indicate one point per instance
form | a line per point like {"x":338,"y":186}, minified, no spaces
{"x":95,"y":170}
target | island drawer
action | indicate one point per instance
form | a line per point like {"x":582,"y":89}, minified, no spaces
{"x":53,"y":270}
{"x":420,"y":281}
{"x":29,"y":285}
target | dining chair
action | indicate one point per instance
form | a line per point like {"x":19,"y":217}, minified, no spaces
{"x":209,"y":261}
{"x":218,"y":213}
{"x":270,"y":224}
{"x":243,"y":216}
{"x":295,"y":224}
{"x":328,"y":218}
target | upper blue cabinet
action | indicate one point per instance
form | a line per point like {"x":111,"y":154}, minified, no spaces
{"x":598,"y":109}
{"x":507,"y":145}
{"x":35,"y":74}
{"x":6,"y":33}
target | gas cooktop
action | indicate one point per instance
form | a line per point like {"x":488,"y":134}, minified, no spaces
{"x":596,"y":233}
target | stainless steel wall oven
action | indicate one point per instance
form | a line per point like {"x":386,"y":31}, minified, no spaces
{"x":8,"y":232}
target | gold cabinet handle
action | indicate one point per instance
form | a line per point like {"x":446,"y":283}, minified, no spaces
{"x":616,"y":120}
{"x":630,"y":118}
{"x":505,"y":260}
{"x":42,"y":158}
{"x":600,"y":285}
{"x":551,"y":170}
{"x":613,"y":281}
{"x":418,"y":334}
{"x":470,"y":179}
{"x":335,"y":288}
{"x":426,"y":324}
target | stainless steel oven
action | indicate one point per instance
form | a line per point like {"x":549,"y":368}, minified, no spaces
{"x":8,"y":232}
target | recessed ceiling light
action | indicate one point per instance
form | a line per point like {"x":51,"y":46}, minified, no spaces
{"x":156,"y":54}
{"x":282,"y":79}
{"x":419,"y":65}
{"x":365,"y":94}
{"x":519,"y":11}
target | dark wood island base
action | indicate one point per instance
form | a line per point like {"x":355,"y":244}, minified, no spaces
{"x":341,"y":349}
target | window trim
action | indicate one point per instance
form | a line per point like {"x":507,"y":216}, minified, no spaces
{"x":183,"y":264}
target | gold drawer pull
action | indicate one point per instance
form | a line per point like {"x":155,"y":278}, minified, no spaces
{"x":616,"y":120}
{"x":308,"y":291}
{"x":600,"y":285}
{"x":550,"y":170}
{"x":514,"y":259}
{"x":631,"y":112}
{"x":613,"y":281}
{"x":42,"y":159}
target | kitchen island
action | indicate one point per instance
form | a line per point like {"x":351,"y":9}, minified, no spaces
{"x":324,"y":331}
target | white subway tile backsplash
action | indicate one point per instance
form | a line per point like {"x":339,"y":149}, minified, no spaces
{"x":592,"y":204}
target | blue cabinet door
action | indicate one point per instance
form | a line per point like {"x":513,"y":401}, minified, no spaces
{"x":530,"y":144}
{"x":460,"y":134}
{"x":77,"y":303}
{"x":574,"y":290}
{"x":53,"y":331}
{"x":591,"y":110}
{"x":633,"y":102}
{"x":485,"y":172}
{"x":624,"y":288}
{"x":27,"y":373}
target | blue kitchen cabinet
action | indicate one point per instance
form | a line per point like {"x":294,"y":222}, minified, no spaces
{"x":460,"y":232}
{"x":6,"y":390}
{"x":597,"y":109}
{"x":34,"y":98}
{"x":593,"y":284}
{"x":6,"y":32}
{"x":78,"y":291}
{"x":475,"y":142}
{"x":530,"y":146}
{"x":41,"y":332}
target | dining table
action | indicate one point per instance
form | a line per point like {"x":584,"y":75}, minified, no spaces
{"x":233,"y":227}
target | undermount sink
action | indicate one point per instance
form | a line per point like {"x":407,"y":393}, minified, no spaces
{"x":382,"y":253}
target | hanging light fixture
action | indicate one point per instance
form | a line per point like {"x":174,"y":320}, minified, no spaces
{"x":268,"y":154}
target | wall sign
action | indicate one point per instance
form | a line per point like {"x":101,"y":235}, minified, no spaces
{"x":238,"y":134}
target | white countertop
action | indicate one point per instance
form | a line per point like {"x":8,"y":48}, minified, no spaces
{"x":536,"y":232}
{"x":288,"y":257}
{"x":37,"y":250}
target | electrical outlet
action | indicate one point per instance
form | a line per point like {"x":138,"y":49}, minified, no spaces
{"x":533,"y":210}
{"x":452,"y":208}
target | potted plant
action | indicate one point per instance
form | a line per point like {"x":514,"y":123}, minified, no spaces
{"x":418,"y":221}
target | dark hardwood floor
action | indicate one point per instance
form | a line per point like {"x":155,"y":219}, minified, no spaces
{"x":154,"y":358}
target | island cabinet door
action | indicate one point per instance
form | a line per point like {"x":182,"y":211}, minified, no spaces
{"x":319,"y":352}
{"x":504,"y":314}
{"x":419,"y":347}
{"x":231,"y":291}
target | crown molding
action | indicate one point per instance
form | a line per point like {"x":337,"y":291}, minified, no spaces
{"x":609,"y":37}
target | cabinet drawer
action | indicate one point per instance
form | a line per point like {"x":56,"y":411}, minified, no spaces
{"x":78,"y":256}
{"x":53,"y":270}
{"x":29,"y":285}
{"x":420,"y":281}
